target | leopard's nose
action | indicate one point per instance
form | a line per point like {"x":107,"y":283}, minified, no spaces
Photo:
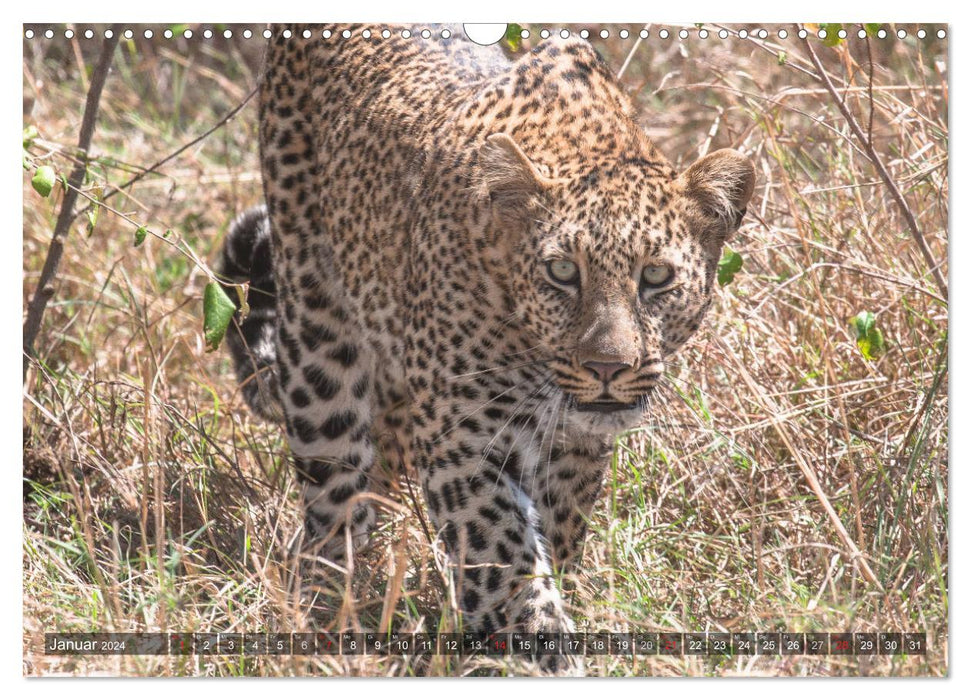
{"x":606,"y":371}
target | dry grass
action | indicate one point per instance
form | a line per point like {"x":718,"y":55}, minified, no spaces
{"x":154,"y":501}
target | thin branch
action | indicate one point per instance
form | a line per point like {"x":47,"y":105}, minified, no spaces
{"x":175,"y":240}
{"x":45,"y":286}
{"x":869,"y":90}
{"x":623,"y":68}
{"x":888,"y":180}
{"x":175,"y":154}
{"x":773,"y":49}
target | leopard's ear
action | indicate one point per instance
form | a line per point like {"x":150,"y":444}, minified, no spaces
{"x":719,"y":187}
{"x":507,"y":176}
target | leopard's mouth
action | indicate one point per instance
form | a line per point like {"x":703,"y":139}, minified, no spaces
{"x":604,"y":407}
{"x":605,"y":415}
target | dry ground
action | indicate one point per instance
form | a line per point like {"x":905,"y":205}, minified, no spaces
{"x":153,"y":500}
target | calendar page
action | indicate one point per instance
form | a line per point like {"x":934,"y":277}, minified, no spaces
{"x":485,"y":350}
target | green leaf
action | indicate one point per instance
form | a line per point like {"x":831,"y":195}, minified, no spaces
{"x":782,"y":58}
{"x":30,"y":133}
{"x":217,"y":312}
{"x":876,"y":342}
{"x":729,"y":266}
{"x":43,"y":180}
{"x":832,"y":34}
{"x":96,"y":194}
{"x":869,"y":338}
{"x":514,"y":37}
{"x":872,"y":29}
{"x":864,"y":322}
{"x":92,"y":217}
{"x":140,"y":235}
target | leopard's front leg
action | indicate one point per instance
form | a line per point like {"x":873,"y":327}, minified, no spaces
{"x":476,"y":474}
{"x":325,"y":379}
{"x":491,"y":527}
{"x":567,"y":487}
{"x":324,"y":366}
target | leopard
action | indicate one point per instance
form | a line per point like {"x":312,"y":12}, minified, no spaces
{"x":481,"y":259}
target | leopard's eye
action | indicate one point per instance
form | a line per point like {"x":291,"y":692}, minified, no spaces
{"x":563,"y":271}
{"x":656,"y":276}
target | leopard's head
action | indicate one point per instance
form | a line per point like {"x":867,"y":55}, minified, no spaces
{"x":610,"y":269}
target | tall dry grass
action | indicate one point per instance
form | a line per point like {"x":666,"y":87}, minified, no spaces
{"x":787,"y":482}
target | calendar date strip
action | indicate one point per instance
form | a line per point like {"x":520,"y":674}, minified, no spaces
{"x":499,"y":644}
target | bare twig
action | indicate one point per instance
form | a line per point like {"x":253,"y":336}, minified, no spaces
{"x":774,"y":49}
{"x":175,"y":154}
{"x":630,"y":55}
{"x":869,"y":91}
{"x":45,"y":287}
{"x":175,"y":240}
{"x":888,"y":180}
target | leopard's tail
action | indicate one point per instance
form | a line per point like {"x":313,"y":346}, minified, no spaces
{"x":246,"y":257}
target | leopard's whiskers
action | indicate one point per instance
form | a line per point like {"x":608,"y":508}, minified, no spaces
{"x":550,"y":432}
{"x":532,"y":437}
{"x":469,"y":415}
{"x":498,"y":368}
{"x":514,"y":414}
{"x":549,"y":408}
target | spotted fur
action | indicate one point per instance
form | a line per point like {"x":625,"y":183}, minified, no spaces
{"x":421,"y":194}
